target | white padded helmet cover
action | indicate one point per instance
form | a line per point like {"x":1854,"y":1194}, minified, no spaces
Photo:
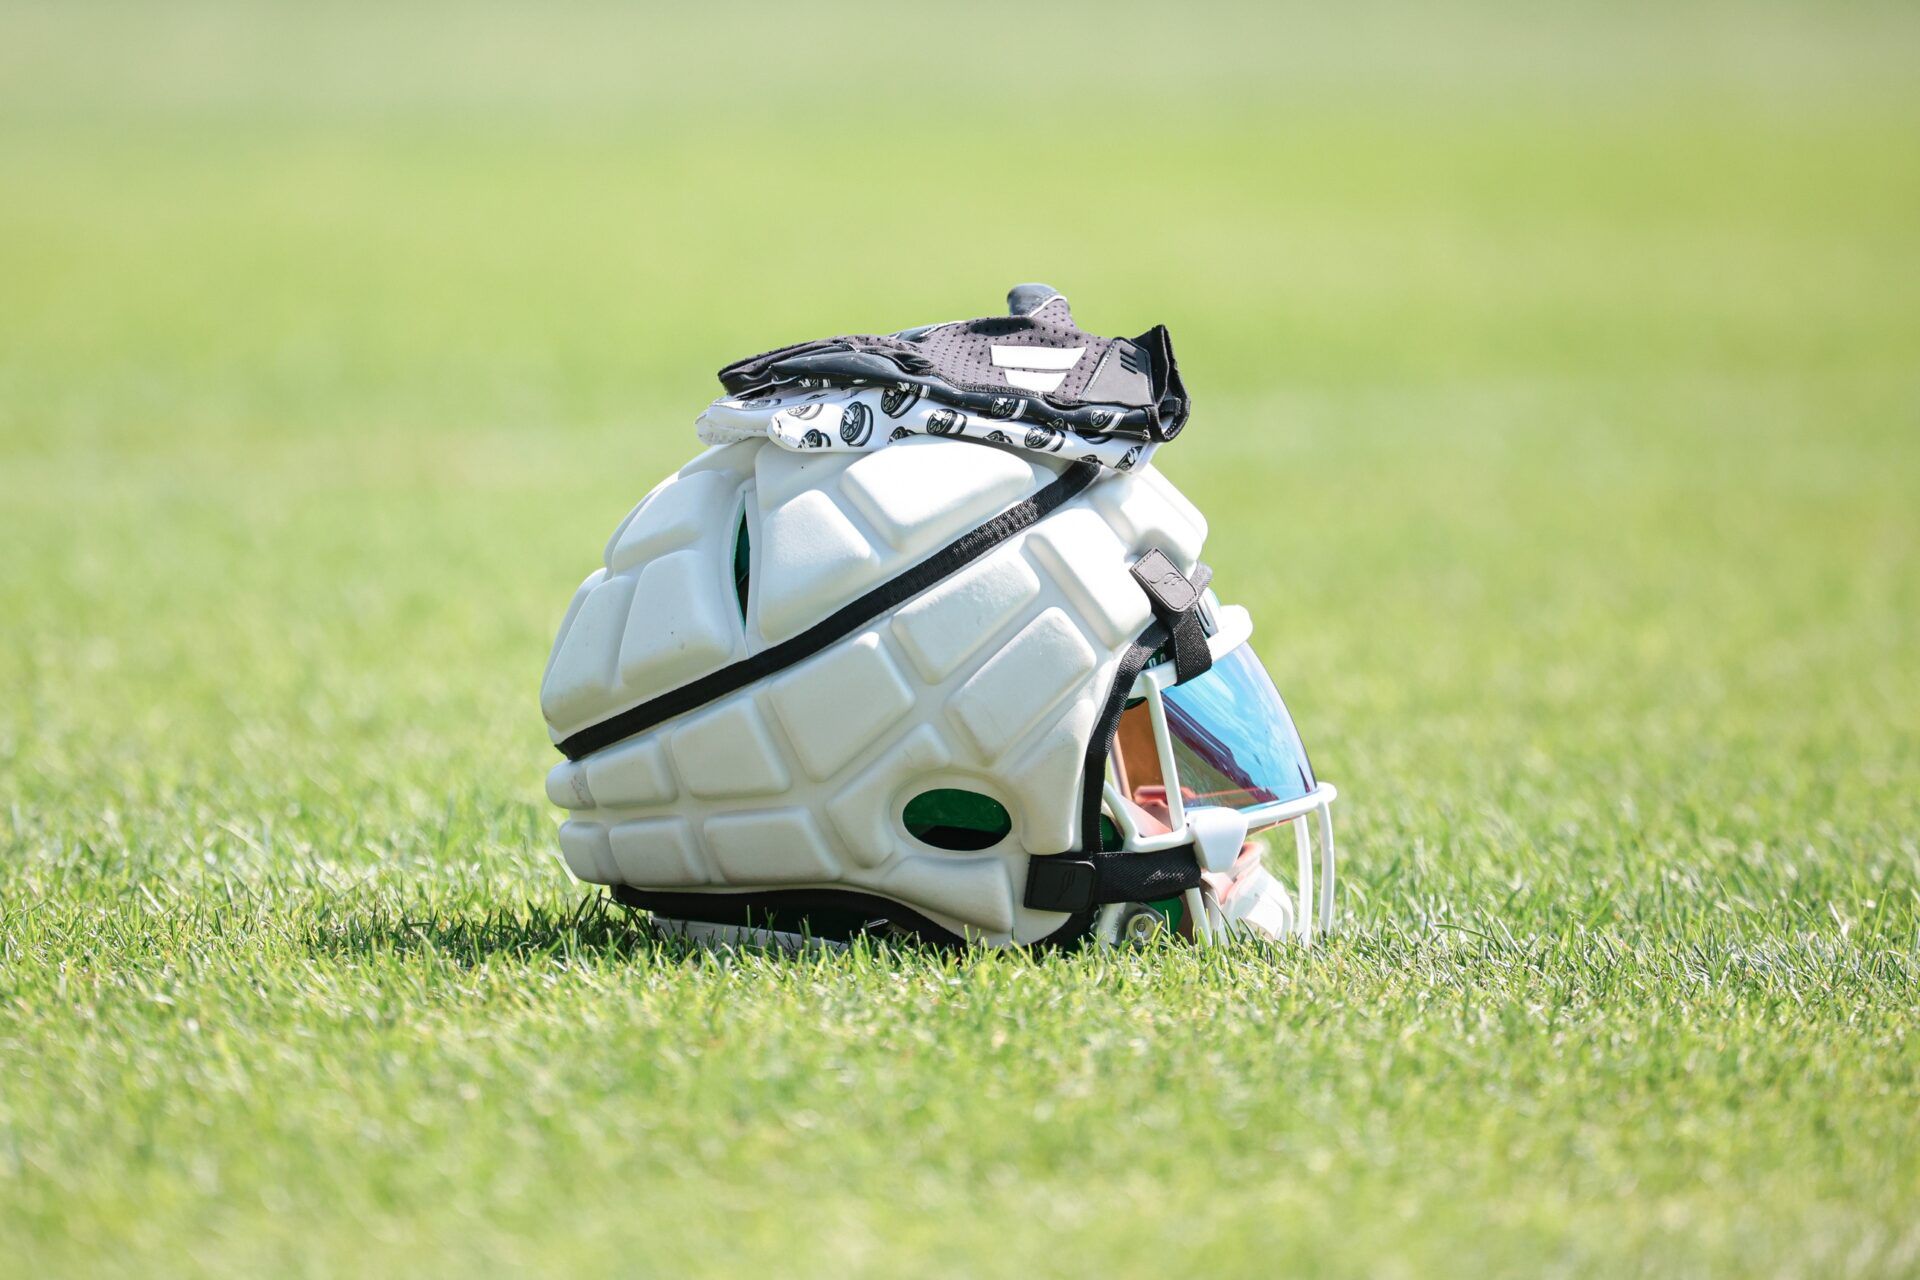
{"x":989,"y":680}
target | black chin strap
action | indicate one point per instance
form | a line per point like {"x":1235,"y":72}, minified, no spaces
{"x":1076,"y":881}
{"x":1094,"y":877}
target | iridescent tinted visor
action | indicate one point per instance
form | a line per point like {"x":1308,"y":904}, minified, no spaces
{"x":1232,"y":742}
{"x":1222,"y":740}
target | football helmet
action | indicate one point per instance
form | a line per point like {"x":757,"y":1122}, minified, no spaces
{"x":933,"y":683}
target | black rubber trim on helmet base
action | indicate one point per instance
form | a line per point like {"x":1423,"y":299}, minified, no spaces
{"x":838,"y":625}
{"x":834,"y":915}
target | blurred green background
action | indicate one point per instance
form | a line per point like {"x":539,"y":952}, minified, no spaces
{"x":1557,"y":384}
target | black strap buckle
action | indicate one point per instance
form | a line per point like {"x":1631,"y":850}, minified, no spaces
{"x":1176,"y":602}
{"x":1164,"y":584}
{"x":1061,"y":883}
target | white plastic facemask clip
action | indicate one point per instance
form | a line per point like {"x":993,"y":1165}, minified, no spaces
{"x":1217,"y":836}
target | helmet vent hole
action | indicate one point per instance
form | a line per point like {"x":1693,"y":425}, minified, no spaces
{"x":965,"y":821}
{"x":742,"y":564}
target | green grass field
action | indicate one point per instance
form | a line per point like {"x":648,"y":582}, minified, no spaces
{"x":1557,"y":380}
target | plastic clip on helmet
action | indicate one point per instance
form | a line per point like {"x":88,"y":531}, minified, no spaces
{"x":924,"y":643}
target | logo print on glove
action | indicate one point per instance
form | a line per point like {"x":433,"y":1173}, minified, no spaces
{"x":1004,"y":406}
{"x":898,"y":433}
{"x":1126,"y":463}
{"x":1046,"y":439}
{"x":899,"y":398}
{"x":998,"y":437}
{"x":1095,"y":432}
{"x":814,"y":439}
{"x":856,"y":424}
{"x":800,"y":413}
{"x":946,"y":422}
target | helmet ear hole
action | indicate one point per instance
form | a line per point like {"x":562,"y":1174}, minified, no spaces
{"x":742,"y":562}
{"x":955,"y":819}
